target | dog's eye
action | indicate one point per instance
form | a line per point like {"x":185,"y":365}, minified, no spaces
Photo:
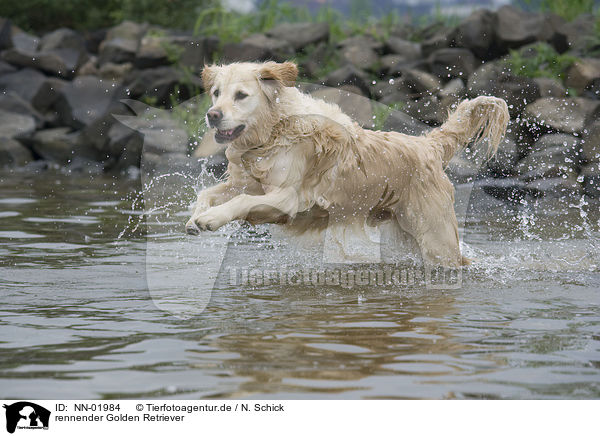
{"x":216,"y":93}
{"x":240,"y":95}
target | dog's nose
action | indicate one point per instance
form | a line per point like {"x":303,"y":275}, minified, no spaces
{"x":214,"y":116}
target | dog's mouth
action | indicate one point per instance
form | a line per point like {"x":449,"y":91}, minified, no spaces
{"x":228,"y":135}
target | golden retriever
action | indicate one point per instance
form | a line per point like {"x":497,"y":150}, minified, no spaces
{"x":300,"y":162}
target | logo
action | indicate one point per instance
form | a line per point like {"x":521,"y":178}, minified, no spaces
{"x":26,"y":415}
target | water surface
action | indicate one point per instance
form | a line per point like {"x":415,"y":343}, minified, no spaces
{"x":78,"y":318}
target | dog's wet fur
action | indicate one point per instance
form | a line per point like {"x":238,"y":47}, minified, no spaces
{"x":302,"y":163}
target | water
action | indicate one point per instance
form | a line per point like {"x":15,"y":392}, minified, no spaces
{"x":78,"y":319}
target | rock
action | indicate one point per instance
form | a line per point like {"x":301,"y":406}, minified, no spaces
{"x":461,"y":170}
{"x":48,"y":93}
{"x":281,"y":50}
{"x":567,"y":115}
{"x":442,"y":38}
{"x":196,"y":52}
{"x":591,"y":142}
{"x":592,"y":91}
{"x":493,"y":79}
{"x":420,"y":83}
{"x":94,"y":138}
{"x":60,"y":62}
{"x":392,"y":62}
{"x":122,"y":43}
{"x":356,"y":106}
{"x":115,"y":72}
{"x":348,"y":75}
{"x":6,"y":68}
{"x":240,"y":52}
{"x":548,"y":163}
{"x":399,"y":121}
{"x":152,"y":52}
{"x":454,"y":88}
{"x":448,"y":63}
{"x":85,"y":99}
{"x":476,"y":33}
{"x":15,"y":126}
{"x":556,"y":187}
{"x":300,"y":35}
{"x":582,"y":73}
{"x":163,"y":84}
{"x":515,"y":28}
{"x":550,"y":87}
{"x":26,"y":83}
{"x":63,"y":38}
{"x":510,"y":190}
{"x":360,"y":57}
{"x":427,"y":109}
{"x":13,"y":37}
{"x":407,"y":49}
{"x":590,"y":174}
{"x":578,"y":33}
{"x":506,"y":158}
{"x":13,"y":153}
{"x":124,"y":149}
{"x":57,"y":144}
{"x":318,"y":57}
{"x":366,"y":41}
{"x":11,"y":102}
{"x":89,"y":68}
{"x":559,"y":140}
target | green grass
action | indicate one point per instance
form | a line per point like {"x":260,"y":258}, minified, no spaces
{"x":568,"y":9}
{"x":540,"y":60}
{"x":382,"y":112}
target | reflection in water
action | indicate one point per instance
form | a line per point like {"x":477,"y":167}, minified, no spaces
{"x":78,"y":320}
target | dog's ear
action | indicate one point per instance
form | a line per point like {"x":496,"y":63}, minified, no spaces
{"x":283,"y":73}
{"x":208,"y":76}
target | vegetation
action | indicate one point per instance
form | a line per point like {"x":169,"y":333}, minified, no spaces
{"x":568,"y":9}
{"x":539,"y":60}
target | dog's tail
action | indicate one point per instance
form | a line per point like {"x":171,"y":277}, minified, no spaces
{"x":480,"y":118}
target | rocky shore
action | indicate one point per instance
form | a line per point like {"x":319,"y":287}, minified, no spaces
{"x":61,"y":93}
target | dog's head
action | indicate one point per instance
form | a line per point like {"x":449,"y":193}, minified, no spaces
{"x":243,"y":95}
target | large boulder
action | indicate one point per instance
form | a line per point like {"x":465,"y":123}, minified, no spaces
{"x":11,"y":102}
{"x":280,"y":50}
{"x":13,"y":153}
{"x":85,"y":99}
{"x":590,"y":174}
{"x":591,"y":142}
{"x":407,"y":49}
{"x":449,"y":63}
{"x":401,"y":122}
{"x":515,"y":28}
{"x":163,"y":84}
{"x":122,"y":43}
{"x":476,"y":33}
{"x":57,"y":144}
{"x":506,"y":158}
{"x":550,"y":87}
{"x":6,"y":68}
{"x":60,"y":62}
{"x":26,"y":83}
{"x":152,"y":52}
{"x":583,"y":73}
{"x":300,"y":35}
{"x":567,"y":115}
{"x":420,"y":83}
{"x":13,"y":37}
{"x":242,"y":52}
{"x":558,"y":161}
{"x":195,"y":52}
{"x":15,"y":125}
{"x":349,"y":75}
{"x":356,"y":106}
{"x":361,"y":51}
{"x":493,"y":78}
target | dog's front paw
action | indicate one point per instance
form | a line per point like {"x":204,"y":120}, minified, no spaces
{"x":210,"y":220}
